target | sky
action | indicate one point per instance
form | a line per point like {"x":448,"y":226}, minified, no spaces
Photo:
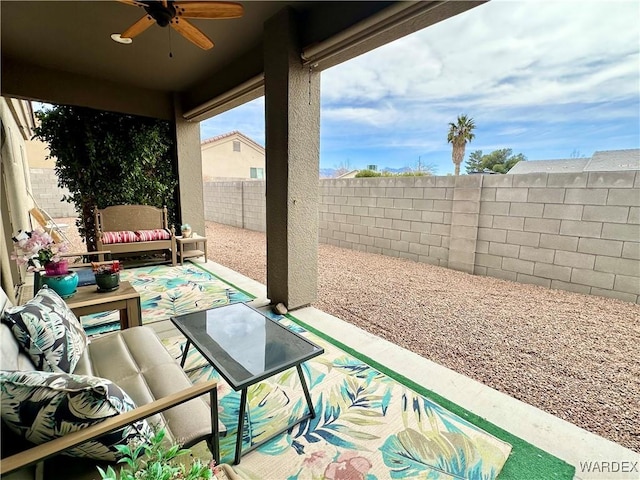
{"x":549,"y":79}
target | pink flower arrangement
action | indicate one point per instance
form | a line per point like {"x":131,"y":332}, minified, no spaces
{"x":36,"y":249}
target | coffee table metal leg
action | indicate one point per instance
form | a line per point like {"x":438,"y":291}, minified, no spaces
{"x":184,"y":353}
{"x":312,"y":411}
{"x":243,"y":406}
{"x":215,"y":440}
{"x":243,"y":413}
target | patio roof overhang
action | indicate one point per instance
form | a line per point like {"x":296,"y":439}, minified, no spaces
{"x":61,"y":52}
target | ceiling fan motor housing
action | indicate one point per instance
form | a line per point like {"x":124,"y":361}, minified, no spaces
{"x":161,"y":14}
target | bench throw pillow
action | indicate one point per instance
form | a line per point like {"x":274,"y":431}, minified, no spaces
{"x":124,"y":236}
{"x":42,"y":406}
{"x":48,"y":331}
{"x":152,"y":235}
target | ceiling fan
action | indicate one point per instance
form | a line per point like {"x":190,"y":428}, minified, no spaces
{"x":175,"y":13}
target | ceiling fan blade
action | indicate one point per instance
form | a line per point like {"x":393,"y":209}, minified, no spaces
{"x":138,"y":27}
{"x":206,"y":9}
{"x":191,"y":33}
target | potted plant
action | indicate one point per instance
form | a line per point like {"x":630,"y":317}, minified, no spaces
{"x":107,"y":275}
{"x":37,"y":250}
{"x":186,"y":230}
{"x":157,"y":461}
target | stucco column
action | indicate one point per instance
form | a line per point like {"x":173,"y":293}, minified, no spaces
{"x":292,"y":114}
{"x":191,"y":207}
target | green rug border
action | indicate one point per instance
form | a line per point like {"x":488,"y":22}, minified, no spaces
{"x":526,"y":461}
{"x":252,"y":297}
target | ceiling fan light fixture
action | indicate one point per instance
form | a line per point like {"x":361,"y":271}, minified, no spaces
{"x":116,"y":37}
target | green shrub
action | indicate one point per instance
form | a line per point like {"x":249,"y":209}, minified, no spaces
{"x":368,"y":173}
{"x":154,"y":461}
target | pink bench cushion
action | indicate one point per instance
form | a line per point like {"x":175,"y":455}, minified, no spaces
{"x":124,"y":236}
{"x":150,"y":235}
{"x":127,"y":236}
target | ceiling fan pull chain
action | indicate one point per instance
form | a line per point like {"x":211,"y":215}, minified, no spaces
{"x":170,"y":48}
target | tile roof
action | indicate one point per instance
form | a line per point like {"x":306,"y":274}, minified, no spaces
{"x":231,"y":134}
{"x":602,"y":161}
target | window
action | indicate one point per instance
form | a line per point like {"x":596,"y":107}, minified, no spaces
{"x":236,"y":145}
{"x":257,"y":172}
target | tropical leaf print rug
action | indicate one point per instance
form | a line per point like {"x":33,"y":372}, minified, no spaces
{"x":367,"y":425}
{"x":166,"y":291}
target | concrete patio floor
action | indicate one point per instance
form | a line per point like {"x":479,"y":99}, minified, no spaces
{"x":566,"y":441}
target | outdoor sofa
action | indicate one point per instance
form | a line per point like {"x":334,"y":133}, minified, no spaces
{"x":134,"y":229}
{"x":134,"y":360}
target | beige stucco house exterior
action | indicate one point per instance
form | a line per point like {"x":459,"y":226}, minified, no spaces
{"x":232,"y":155}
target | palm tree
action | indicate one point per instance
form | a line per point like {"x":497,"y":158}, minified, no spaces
{"x":459,"y":134}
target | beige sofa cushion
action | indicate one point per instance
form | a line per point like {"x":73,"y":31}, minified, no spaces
{"x":136,"y":360}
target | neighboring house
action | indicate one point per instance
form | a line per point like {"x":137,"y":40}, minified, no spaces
{"x":232,"y":155}
{"x":602,"y":161}
{"x":351,"y":174}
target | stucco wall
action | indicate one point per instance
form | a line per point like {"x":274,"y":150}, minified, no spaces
{"x":15,"y":186}
{"x":220,"y":160}
{"x":577,"y":232}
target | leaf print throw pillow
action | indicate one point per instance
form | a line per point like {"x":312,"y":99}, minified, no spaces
{"x":41,"y":406}
{"x":48,"y":331}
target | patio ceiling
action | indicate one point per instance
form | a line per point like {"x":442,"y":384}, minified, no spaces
{"x":61,"y":51}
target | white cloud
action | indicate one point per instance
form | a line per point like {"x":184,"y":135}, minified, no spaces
{"x":542,"y":77}
{"x":377,"y":117}
{"x":505,"y":54}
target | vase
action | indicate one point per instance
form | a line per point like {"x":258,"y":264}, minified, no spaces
{"x":64,"y":285}
{"x":60,"y":267}
{"x":107,"y":282}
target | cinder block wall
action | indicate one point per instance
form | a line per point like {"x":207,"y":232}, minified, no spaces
{"x":407,"y":217}
{"x":223,"y":203}
{"x":238,"y":203}
{"x":577,"y":232}
{"x":254,"y":205}
{"x":44,"y":183}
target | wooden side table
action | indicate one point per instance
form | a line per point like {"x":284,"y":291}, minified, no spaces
{"x":88,"y":300}
{"x":199,"y":250}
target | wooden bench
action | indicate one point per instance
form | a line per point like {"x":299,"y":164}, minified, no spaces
{"x":131,"y":220}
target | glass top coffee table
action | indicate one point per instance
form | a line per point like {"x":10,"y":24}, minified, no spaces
{"x":246,"y":347}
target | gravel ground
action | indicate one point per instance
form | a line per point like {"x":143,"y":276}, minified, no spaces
{"x":574,"y":356}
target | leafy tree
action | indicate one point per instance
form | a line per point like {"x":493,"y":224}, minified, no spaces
{"x":499,"y":161}
{"x":106,"y":158}
{"x":459,"y":134}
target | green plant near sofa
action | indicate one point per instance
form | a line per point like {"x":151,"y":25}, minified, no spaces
{"x":156,"y":461}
